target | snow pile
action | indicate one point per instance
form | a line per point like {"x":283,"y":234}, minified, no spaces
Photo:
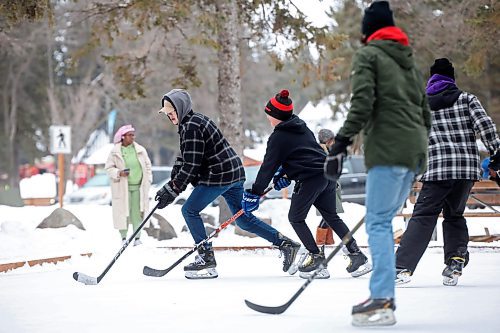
{"x":38,"y":186}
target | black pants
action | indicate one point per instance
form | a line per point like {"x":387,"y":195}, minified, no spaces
{"x":448,"y":196}
{"x":320,"y":192}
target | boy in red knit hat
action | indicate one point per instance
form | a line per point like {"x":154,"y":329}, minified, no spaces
{"x":293,"y":154}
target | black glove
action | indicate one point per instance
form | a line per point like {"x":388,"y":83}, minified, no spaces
{"x":333,"y":166}
{"x":495,"y":161}
{"x":494,"y":167}
{"x":340,"y":145}
{"x":166,"y":195}
{"x":335,"y":158}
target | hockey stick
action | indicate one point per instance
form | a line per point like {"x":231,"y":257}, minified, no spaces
{"x":282,"y":308}
{"x":161,"y":272}
{"x":83,"y":278}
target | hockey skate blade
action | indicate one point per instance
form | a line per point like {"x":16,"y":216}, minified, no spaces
{"x":380,"y":317}
{"x":451,"y":281}
{"x":402,"y":279}
{"x":364,"y":269}
{"x":293,"y":269}
{"x":85,"y":279}
{"x":209,"y":273}
{"x":322,"y":274}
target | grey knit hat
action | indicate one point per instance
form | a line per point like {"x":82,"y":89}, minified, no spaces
{"x":324,"y":135}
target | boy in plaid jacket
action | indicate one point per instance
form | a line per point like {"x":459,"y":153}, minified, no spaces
{"x":452,"y":169}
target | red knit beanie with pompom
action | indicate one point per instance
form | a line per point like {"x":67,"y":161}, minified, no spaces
{"x":280,"y":106}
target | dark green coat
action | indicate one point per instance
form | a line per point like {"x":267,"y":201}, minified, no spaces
{"x":390,"y":106}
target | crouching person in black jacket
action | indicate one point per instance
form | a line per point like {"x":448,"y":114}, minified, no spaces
{"x":209,"y":163}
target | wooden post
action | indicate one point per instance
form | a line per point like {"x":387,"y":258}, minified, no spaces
{"x":60,"y":189}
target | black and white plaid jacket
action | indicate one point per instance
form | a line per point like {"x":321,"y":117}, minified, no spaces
{"x":207,"y":158}
{"x":453,"y":152}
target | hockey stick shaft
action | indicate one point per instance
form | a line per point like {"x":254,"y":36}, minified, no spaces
{"x":88,"y":280}
{"x":161,"y":272}
{"x":282,"y":308}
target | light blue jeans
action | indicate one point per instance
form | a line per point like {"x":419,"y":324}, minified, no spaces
{"x":387,"y":188}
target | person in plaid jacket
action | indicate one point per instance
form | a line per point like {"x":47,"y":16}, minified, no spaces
{"x":211,"y":165}
{"x":453,"y":167}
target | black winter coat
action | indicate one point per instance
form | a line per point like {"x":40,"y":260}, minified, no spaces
{"x":292,"y":145}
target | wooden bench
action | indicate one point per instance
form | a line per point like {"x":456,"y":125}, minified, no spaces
{"x":484,"y":196}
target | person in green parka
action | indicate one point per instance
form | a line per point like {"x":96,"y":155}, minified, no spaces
{"x":389,"y":106}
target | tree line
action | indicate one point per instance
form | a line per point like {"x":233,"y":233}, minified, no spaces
{"x":71,"y":63}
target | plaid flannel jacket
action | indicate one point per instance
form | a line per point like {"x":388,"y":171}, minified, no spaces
{"x":453,"y":152}
{"x":206,"y":156}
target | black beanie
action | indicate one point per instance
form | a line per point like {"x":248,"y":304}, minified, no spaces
{"x":377,"y":16}
{"x":444,"y":67}
{"x":280,"y":106}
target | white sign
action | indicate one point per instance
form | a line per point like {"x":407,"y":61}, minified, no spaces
{"x":60,"y":139}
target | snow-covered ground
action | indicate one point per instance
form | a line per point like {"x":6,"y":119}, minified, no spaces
{"x":47,"y":299}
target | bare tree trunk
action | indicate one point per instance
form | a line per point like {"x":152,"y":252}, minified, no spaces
{"x":229,"y":80}
{"x":11,"y":117}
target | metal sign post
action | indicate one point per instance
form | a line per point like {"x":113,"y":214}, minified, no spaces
{"x":60,"y":144}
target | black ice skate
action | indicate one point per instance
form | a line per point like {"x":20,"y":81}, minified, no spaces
{"x":203,"y":266}
{"x":289,"y":250}
{"x":358,"y":264}
{"x":374,"y":312}
{"x":453,"y":270}
{"x":402,"y":276}
{"x":311,"y":263}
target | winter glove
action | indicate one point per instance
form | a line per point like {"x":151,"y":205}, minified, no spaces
{"x":166,"y":195}
{"x":494,"y":167}
{"x":250,"y":202}
{"x":280,"y":180}
{"x":335,"y":158}
{"x":495,"y":161}
{"x":340,"y":146}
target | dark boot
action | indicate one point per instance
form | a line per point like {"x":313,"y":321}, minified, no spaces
{"x":453,"y":271}
{"x":203,"y":260}
{"x":313,"y":261}
{"x":358,"y":262}
{"x":289,"y":250}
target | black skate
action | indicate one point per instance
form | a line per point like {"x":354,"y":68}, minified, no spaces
{"x":374,"y":312}
{"x":453,"y":270}
{"x":402,"y":276}
{"x":358,"y":264}
{"x":311,"y":263}
{"x":289,"y":250}
{"x":203,"y":266}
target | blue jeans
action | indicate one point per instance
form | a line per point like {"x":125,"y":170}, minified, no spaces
{"x":387,"y":188}
{"x":203,"y":195}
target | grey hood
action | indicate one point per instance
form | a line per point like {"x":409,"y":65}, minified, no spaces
{"x":181,"y":101}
